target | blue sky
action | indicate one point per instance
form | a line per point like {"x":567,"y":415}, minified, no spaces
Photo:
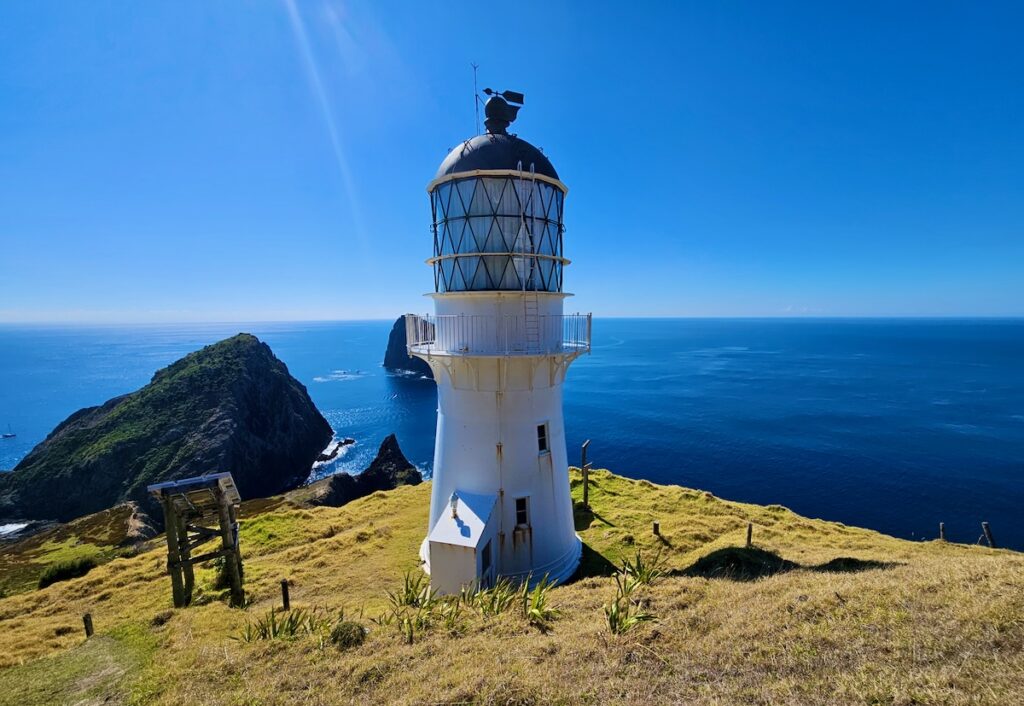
{"x":266,"y":160}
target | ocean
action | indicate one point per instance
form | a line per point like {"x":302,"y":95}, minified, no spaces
{"x":894,"y":424}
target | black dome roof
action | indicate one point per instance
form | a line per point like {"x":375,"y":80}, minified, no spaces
{"x":495,"y":151}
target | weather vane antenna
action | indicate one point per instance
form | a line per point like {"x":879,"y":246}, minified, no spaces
{"x":476,"y":98}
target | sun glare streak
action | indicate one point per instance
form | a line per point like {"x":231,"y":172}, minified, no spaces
{"x":320,"y":94}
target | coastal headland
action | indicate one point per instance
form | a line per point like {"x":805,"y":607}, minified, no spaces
{"x":812,"y":612}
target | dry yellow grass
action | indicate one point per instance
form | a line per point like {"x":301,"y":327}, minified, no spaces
{"x":905,"y":623}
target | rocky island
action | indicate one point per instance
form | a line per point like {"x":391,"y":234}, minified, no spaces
{"x":397,"y":357}
{"x":388,"y":470}
{"x":231,"y":406}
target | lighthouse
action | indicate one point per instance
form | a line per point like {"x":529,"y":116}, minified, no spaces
{"x":499,"y":346}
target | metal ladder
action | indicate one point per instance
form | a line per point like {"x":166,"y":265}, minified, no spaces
{"x":532,"y":321}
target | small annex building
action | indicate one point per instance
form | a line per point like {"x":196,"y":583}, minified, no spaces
{"x":461,"y":544}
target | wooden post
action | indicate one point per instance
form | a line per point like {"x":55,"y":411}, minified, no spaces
{"x":942,"y":531}
{"x":585,"y":468}
{"x":284,"y":595}
{"x":87,"y":622}
{"x":750,"y":535}
{"x":184,"y":556}
{"x":173,"y":556}
{"x":988,"y":535}
{"x":657,"y":529}
{"x":238,"y":552}
{"x":231,"y":559}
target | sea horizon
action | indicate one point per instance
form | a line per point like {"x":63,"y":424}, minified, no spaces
{"x":693,"y":317}
{"x":825,"y":415}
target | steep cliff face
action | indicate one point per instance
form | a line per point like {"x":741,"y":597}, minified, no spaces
{"x":231,"y":406}
{"x":388,"y":470}
{"x":396,"y":357}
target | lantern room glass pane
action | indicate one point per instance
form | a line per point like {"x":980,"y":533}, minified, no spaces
{"x":492,"y":216}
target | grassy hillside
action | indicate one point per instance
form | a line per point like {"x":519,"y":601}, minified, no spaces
{"x":817,"y":613}
{"x":100,"y":537}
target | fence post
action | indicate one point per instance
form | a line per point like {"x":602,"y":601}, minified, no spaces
{"x":657,"y":529}
{"x":285,"y":599}
{"x":585,"y":467}
{"x":750,"y":535}
{"x":942,"y":531}
{"x":87,"y":622}
{"x":988,"y":535}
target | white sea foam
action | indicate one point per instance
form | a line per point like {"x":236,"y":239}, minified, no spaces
{"x":342,"y":452}
{"x":12,"y":527}
{"x":340,"y":376}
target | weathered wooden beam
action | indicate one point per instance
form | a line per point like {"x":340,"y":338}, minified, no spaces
{"x":196,"y":543}
{"x":233,"y":562}
{"x":200,"y":536}
{"x":207,"y":556}
{"x":173,"y":556}
{"x":206,"y":532}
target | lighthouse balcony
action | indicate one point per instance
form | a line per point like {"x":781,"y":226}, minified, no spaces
{"x":485,"y":335}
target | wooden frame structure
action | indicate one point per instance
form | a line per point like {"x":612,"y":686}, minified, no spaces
{"x":191,"y":506}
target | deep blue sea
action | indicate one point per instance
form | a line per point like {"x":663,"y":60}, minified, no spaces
{"x":890,"y":424}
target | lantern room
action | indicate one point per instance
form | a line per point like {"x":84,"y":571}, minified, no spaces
{"x":496,"y":203}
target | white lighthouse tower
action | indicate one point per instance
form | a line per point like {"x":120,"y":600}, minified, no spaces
{"x":499,"y":346}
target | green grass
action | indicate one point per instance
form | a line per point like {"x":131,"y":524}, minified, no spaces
{"x":96,"y":538}
{"x":278,"y":530}
{"x":69,"y":550}
{"x":815,"y":612}
{"x":90,"y":672}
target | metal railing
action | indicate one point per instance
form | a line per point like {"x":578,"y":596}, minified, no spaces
{"x":465,"y":334}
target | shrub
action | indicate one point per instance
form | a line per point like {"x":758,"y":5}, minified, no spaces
{"x":293,"y":624}
{"x":64,"y":570}
{"x":347,"y":634}
{"x":414,"y":609}
{"x":415,"y":592}
{"x":644,"y":572}
{"x":494,"y":600}
{"x":535,"y":604}
{"x":450,"y":612}
{"x":623,"y":615}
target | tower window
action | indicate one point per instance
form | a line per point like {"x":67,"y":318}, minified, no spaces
{"x":542,"y":438}
{"x":522,"y":512}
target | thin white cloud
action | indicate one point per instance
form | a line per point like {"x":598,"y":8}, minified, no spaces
{"x":330,"y":120}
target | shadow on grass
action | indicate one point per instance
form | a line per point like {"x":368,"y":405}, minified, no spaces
{"x":752,"y":563}
{"x":849,"y":565}
{"x":593,"y":563}
{"x":584,"y":516}
{"x":738,"y":564}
